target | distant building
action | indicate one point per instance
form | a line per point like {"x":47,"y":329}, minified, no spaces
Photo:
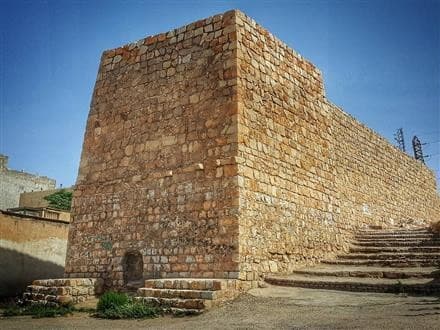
{"x":13,"y":183}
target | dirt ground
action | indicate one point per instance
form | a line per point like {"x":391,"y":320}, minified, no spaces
{"x":275,"y":308}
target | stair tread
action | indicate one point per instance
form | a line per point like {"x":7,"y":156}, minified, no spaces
{"x":356,"y":280}
{"x":428,"y":254}
{"x":402,"y":243}
{"x":193,"y":279}
{"x":179,"y":293}
{"x":382,"y":262}
{"x":387,"y":231}
{"x":379,"y":260}
{"x":374,"y":248}
{"x":422,"y":235}
{"x":185,"y":311}
{"x":426,"y":232}
{"x":397,"y":239}
{"x":185,"y":303}
{"x":176,"y":290}
{"x":393,"y":250}
{"x":186,"y":283}
{"x":173,"y":299}
{"x":349,"y":268}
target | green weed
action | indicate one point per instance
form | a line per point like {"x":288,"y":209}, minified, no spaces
{"x":113,"y":305}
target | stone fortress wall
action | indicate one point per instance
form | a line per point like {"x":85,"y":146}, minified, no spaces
{"x":213,"y":151}
{"x":287,"y":199}
{"x":162,"y":119}
{"x":13,"y":183}
{"x":377,"y":184}
{"x":312,"y":174}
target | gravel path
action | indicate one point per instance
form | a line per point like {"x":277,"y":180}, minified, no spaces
{"x":276,"y":308}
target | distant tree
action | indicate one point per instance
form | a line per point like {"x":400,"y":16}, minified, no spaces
{"x":61,"y":200}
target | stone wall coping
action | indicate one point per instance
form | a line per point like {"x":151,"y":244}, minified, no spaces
{"x":380,"y":137}
{"x":280,"y":43}
{"x":153,"y":38}
{"x":26,"y":174}
{"x":32,"y":217}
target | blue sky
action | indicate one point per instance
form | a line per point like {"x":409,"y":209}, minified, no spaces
{"x":380,"y":61}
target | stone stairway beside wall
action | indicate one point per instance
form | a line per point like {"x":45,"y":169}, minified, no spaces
{"x":393,"y":261}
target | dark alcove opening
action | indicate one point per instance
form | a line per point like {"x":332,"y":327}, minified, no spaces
{"x":133,"y":267}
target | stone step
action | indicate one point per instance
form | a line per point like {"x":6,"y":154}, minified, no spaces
{"x":399,"y":232}
{"x":434,"y":256}
{"x":426,"y":286}
{"x":187,"y":304}
{"x":397,"y":243}
{"x":398,"y":249}
{"x":184,"y":311}
{"x":395,"y":231}
{"x":384,"y":262}
{"x":371,"y":272}
{"x":397,"y":237}
{"x":68,"y":282}
{"x":47,"y":290}
{"x":60,"y":290}
{"x":179,"y":293}
{"x":187,"y":284}
{"x":393,"y":237}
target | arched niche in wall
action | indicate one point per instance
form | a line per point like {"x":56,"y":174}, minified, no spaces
{"x":133,"y":267}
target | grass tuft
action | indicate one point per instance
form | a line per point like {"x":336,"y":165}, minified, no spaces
{"x":113,"y":305}
{"x":111,"y":300}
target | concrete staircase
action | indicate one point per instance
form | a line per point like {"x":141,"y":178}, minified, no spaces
{"x":186,"y":295}
{"x":393,"y":261}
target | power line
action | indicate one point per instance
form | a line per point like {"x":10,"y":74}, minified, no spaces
{"x":431,"y":142}
{"x":429,"y":133}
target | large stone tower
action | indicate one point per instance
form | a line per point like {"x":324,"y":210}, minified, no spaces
{"x":211,"y":151}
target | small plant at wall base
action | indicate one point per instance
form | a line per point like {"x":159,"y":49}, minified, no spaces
{"x":110,"y":300}
{"x":113,"y":305}
{"x":61,"y":200}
